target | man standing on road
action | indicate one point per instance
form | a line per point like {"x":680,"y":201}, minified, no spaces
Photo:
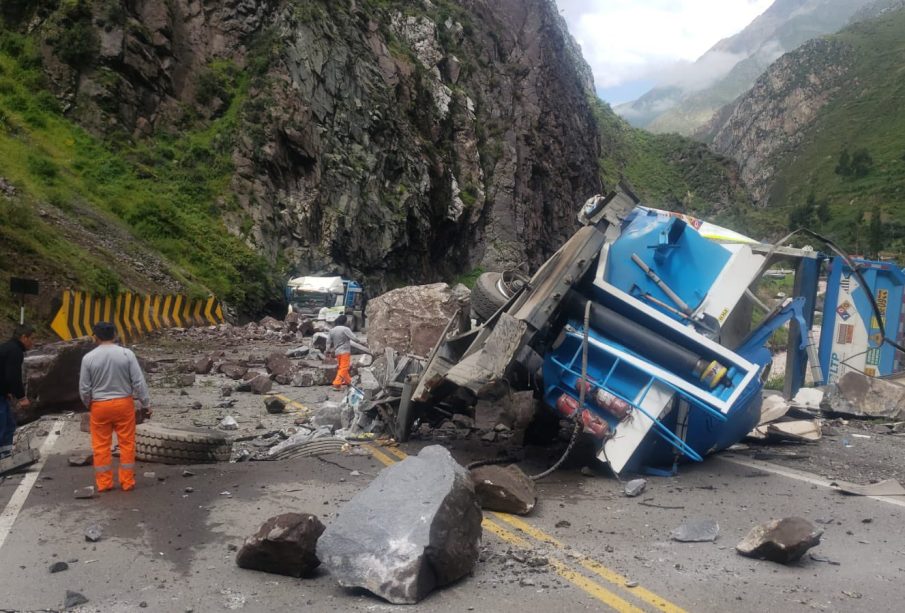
{"x":12,"y":390}
{"x":109,"y":383}
{"x":339,"y":338}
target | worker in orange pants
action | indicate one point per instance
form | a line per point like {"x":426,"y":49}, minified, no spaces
{"x":339,"y":342}
{"x":109,"y":382}
{"x":107,"y":416}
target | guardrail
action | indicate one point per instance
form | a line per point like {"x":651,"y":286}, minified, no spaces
{"x":132,"y":314}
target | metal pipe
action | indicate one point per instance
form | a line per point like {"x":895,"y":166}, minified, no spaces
{"x":661,"y":283}
{"x":664,"y":352}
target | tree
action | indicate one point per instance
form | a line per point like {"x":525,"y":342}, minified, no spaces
{"x":875,"y":232}
{"x":862,"y":163}
{"x":843,"y":167}
{"x":823,"y":210}
{"x":802,"y":216}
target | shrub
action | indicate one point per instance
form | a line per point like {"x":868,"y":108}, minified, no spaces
{"x":41,"y":167}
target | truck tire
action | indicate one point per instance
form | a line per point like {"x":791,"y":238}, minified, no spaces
{"x":486,"y":298}
{"x":166,"y":445}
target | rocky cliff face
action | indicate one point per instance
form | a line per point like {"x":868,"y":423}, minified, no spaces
{"x":393,"y":141}
{"x":772,"y":118}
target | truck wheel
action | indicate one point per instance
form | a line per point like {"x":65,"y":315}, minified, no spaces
{"x":486,"y":298}
{"x":166,"y":445}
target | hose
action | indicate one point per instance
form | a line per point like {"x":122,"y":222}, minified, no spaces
{"x":576,"y":416}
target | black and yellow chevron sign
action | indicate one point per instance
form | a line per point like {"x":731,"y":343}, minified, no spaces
{"x":132,"y":314}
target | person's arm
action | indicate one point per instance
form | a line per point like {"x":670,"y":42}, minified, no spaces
{"x":139,"y":385}
{"x":351,"y":336}
{"x":85,"y":385}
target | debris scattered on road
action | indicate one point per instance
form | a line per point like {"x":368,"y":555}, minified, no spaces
{"x":857,"y":394}
{"x":187,"y":473}
{"x":93,"y":533}
{"x":150,"y":475}
{"x":188,"y":489}
{"x":73,"y":599}
{"x":229,"y":423}
{"x":504,"y":488}
{"x":405,"y":534}
{"x":58,"y":567}
{"x":888,"y":487}
{"x":84,"y":492}
{"x":284,"y":544}
{"x":780,"y":540}
{"x":81,"y":459}
{"x":635,"y":487}
{"x":696,"y":530}
{"x":274,"y":405}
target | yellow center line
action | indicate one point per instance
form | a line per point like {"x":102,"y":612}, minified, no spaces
{"x":593,"y":565}
{"x":379,"y":455}
{"x":588,"y":585}
{"x":298,"y":406}
{"x":561,"y":569}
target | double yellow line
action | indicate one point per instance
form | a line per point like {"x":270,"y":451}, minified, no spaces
{"x":523,"y":536}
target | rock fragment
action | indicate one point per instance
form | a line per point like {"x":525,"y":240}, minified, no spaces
{"x":780,"y":540}
{"x":284,"y":544}
{"x":696,"y":530}
{"x":84,"y":492}
{"x":82,"y":459}
{"x":229,"y":423}
{"x":635,"y":487}
{"x":203,"y":365}
{"x":73,"y":599}
{"x":274,"y":405}
{"x":505,"y":489}
{"x":93,"y":533}
{"x":58,"y":567}
{"x":260,"y":385}
{"x":416,"y":527}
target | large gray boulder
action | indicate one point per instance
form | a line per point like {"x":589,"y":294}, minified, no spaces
{"x":416,"y":527}
{"x":51,"y":375}
{"x":411,"y":319}
{"x":284,"y":545}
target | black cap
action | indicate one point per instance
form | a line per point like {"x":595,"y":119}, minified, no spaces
{"x":104,"y":330}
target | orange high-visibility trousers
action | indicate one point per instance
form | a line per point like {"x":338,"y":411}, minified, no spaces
{"x":106,"y":416}
{"x":343,"y":361}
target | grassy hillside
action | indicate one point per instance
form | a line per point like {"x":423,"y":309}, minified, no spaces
{"x":866,"y":117}
{"x":667,"y":170}
{"x":162,"y":191}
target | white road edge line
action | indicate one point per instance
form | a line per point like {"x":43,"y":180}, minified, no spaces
{"x":798,"y":475}
{"x":17,"y":500}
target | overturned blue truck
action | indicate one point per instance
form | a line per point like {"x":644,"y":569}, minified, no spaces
{"x":641,"y":330}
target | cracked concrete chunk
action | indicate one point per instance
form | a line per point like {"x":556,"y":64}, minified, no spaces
{"x":780,"y":540}
{"x":696,"y":530}
{"x":284,"y":544}
{"x":635,"y":487}
{"x":505,"y":489}
{"x":416,"y":527}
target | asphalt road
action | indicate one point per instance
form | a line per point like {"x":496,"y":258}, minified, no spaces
{"x":584,"y":548}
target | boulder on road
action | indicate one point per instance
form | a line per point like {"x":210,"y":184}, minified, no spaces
{"x":233,"y":370}
{"x":203,"y":365}
{"x":857,"y":394}
{"x":52,"y":378}
{"x":417,"y":526}
{"x":780,"y":540}
{"x":278,"y":364}
{"x":261,"y":384}
{"x":412,"y":319}
{"x":505,"y":489}
{"x":284,"y":545}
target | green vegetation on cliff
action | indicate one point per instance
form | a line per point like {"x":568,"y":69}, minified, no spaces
{"x":166,"y":191}
{"x":667,"y":170}
{"x":853,"y":154}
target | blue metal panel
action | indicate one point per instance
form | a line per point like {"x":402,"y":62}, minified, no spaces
{"x":887,"y":283}
{"x":687,"y":262}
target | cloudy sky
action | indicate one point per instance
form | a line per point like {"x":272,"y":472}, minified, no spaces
{"x":632,"y":45}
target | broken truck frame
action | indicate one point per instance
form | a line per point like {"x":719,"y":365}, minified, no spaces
{"x":669,"y":376}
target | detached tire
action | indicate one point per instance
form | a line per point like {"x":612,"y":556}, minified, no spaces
{"x":166,"y":445}
{"x":486,"y":298}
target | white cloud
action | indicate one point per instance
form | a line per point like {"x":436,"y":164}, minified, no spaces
{"x":628,"y":40}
